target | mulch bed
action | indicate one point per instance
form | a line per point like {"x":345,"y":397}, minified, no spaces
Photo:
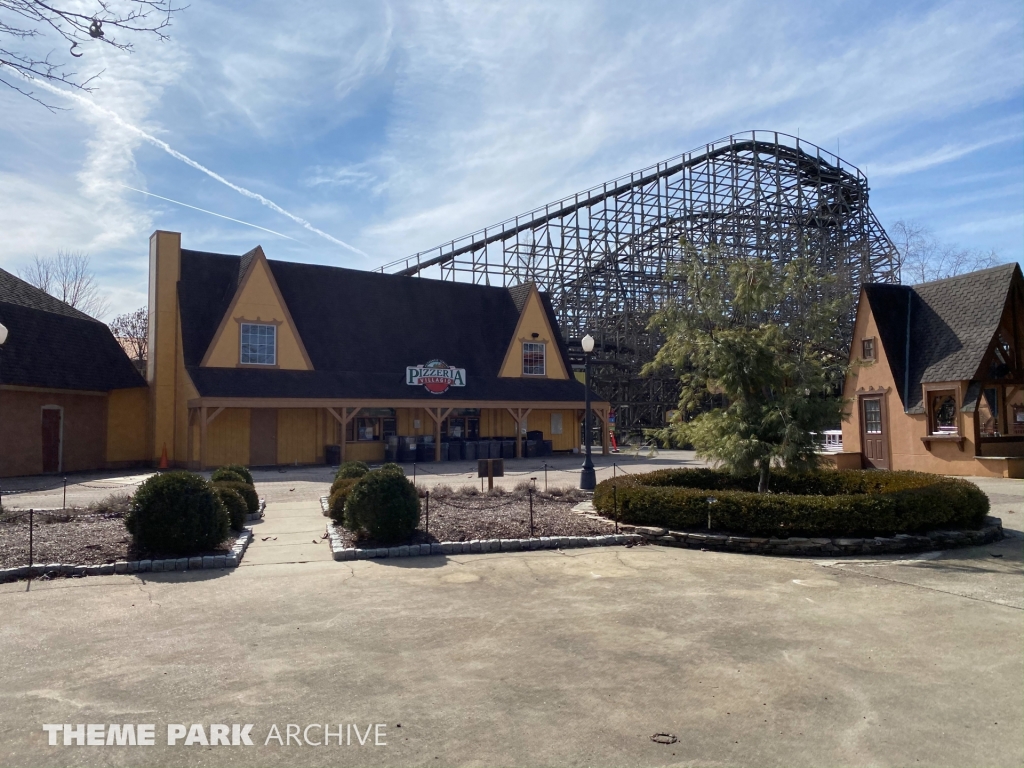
{"x":465,"y":518}
{"x":74,"y":536}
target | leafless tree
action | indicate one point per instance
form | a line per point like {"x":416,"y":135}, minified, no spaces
{"x":132,"y":331}
{"x":923,"y":258}
{"x":68,"y":277}
{"x":29,"y":30}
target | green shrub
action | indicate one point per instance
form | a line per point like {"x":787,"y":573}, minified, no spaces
{"x":176,"y":512}
{"x":234,"y":504}
{"x":828,"y":503}
{"x":246,"y":491}
{"x":351,"y":469}
{"x":383,"y":506}
{"x":227,"y":475}
{"x":339,"y":494}
{"x":390,"y":466}
{"x":239,"y":469}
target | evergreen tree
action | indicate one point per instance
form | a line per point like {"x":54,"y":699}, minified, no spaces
{"x":759,"y":345}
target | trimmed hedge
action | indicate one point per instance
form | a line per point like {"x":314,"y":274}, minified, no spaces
{"x":351,"y":469}
{"x":240,"y":470}
{"x":234,"y":504}
{"x":176,"y":512}
{"x":246,"y":491}
{"x":853,"y":503}
{"x":383,"y":506}
{"x":227,"y":475}
{"x":339,"y":495}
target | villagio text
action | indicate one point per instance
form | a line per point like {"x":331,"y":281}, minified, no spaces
{"x":216,"y":735}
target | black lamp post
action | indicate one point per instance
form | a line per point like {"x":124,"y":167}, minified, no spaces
{"x":588,"y":479}
{"x":3,"y":338}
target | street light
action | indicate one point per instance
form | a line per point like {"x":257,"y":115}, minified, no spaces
{"x":3,"y":338}
{"x":588,"y":479}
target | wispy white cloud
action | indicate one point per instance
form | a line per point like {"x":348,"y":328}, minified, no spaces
{"x":947,"y":153}
{"x":160,"y":144}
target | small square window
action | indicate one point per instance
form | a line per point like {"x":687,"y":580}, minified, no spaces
{"x":259,"y":344}
{"x":868,"y":348}
{"x":942,"y":412}
{"x":533,"y":359}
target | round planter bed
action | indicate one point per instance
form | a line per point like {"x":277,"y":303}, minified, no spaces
{"x":829,"y":512}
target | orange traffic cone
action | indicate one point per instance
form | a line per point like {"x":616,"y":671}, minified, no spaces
{"x":163,"y":459}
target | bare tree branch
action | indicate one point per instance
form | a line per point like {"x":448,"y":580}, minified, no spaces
{"x":132,"y":331}
{"x":923,"y":259}
{"x":26,"y":21}
{"x":67,"y":276}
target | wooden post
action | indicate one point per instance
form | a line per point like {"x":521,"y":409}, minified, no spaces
{"x":519,"y":415}
{"x":202,"y":437}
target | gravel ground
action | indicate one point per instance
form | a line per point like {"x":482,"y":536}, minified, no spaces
{"x":75,"y":536}
{"x":459,"y":517}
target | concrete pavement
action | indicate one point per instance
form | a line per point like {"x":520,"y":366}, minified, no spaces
{"x":530,"y":659}
{"x":289,"y":533}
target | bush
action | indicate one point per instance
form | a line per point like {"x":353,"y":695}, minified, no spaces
{"x":178,"y":513}
{"x":390,"y":466}
{"x":383,"y":506}
{"x":339,"y":494}
{"x":228,"y":476}
{"x":246,"y":491}
{"x":351,"y":469}
{"x":828,"y":503}
{"x":240,"y":470}
{"x":234,"y":504}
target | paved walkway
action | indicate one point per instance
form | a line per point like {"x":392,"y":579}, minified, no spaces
{"x":289,"y":533}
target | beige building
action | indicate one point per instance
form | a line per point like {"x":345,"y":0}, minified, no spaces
{"x":937,"y":381}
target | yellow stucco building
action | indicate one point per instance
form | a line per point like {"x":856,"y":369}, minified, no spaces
{"x":262,"y":362}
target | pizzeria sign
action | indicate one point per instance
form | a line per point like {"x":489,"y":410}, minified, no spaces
{"x":436,"y":376}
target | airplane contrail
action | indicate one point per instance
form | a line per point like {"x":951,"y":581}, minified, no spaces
{"x":212,"y":213}
{"x":189,"y":161}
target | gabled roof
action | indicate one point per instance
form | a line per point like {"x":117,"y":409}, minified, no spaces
{"x":361,"y":330}
{"x":952,"y":323}
{"x":51,"y":345}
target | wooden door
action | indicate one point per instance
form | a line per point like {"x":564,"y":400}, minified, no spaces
{"x":262,"y":436}
{"x":51,"y":439}
{"x":873,"y":432}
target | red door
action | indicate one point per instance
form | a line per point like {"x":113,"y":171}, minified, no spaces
{"x":51,"y":439}
{"x":873,"y":432}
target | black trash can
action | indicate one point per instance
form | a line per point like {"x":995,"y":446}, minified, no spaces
{"x":407,"y":449}
{"x":548,"y":448}
{"x":456,"y":450}
{"x":508,"y":449}
{"x":535,"y":434}
{"x":469,"y":450}
{"x":494,"y":449}
{"x":445,"y":450}
{"x":532,"y":451}
{"x":332,"y":455}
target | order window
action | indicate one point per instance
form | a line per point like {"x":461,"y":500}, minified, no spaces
{"x":533,"y":358}
{"x":259,"y":344}
{"x":942,"y":407}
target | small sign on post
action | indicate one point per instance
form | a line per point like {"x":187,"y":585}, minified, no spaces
{"x":490,"y":468}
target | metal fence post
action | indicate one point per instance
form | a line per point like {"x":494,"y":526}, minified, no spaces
{"x":531,"y":511}
{"x":31,"y":535}
{"x":545,"y":477}
{"x":414,"y":473}
{"x":428,"y":513}
{"x":64,"y":504}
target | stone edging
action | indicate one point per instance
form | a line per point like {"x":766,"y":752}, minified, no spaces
{"x":991,"y":531}
{"x":252,"y":517}
{"x":477,"y":546}
{"x":136,"y":566}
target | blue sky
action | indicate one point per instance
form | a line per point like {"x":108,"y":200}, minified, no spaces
{"x":393,"y":127}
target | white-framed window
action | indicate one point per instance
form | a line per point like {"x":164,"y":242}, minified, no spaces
{"x":259,"y":344}
{"x":556,"y":423}
{"x":534,"y":359}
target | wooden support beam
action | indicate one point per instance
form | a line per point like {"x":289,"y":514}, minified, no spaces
{"x":203,"y":421}
{"x":519,"y":414}
{"x":214,"y":415}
